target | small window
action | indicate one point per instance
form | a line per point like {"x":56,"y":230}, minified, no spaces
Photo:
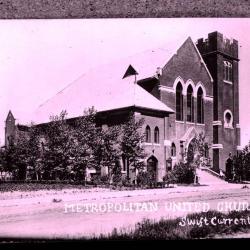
{"x":228,"y":71}
{"x":148,"y":134}
{"x":173,"y":150}
{"x":228,"y":119}
{"x":157,"y":135}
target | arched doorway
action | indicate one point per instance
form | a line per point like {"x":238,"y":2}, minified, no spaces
{"x":152,"y":164}
{"x":191,"y":151}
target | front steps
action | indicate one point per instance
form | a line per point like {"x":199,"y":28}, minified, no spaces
{"x":207,"y":178}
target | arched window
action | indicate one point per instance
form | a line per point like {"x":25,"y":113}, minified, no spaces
{"x":148,"y":134}
{"x":173,"y":150}
{"x":190,"y":104}
{"x":200,"y":106}
{"x":179,"y":102}
{"x":228,"y":119}
{"x":228,"y":71}
{"x":157,"y":135}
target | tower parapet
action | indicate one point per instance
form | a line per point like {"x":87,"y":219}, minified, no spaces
{"x":218,"y":43}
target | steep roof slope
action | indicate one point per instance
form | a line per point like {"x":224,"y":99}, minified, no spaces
{"x":105,"y":88}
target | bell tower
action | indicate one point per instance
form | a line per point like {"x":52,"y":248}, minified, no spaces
{"x":10,"y":128}
{"x":221,"y":57}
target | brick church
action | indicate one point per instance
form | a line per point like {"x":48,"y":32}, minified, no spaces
{"x":179,"y":92}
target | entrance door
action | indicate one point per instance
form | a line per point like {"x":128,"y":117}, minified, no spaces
{"x":152,"y":164}
{"x":190,"y":151}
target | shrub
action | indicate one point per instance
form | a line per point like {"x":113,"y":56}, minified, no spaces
{"x":104,"y":179}
{"x":169,"y":178}
{"x":183,"y":173}
{"x":126,"y":182}
{"x":146,"y":179}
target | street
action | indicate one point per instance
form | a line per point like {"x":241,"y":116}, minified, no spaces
{"x":74,"y":214}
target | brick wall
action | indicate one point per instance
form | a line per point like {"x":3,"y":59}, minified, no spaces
{"x":215,"y":50}
{"x":188,"y":65}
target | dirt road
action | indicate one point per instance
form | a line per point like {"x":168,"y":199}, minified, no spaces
{"x":77,"y":214}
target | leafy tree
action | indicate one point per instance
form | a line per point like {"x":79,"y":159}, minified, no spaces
{"x":241,"y":164}
{"x":107,"y":150}
{"x":32,"y":154}
{"x":197,"y":155}
{"x":59,"y":142}
{"x":131,"y":143}
{"x":15,"y":156}
{"x":117,"y":174}
{"x":86,"y":139}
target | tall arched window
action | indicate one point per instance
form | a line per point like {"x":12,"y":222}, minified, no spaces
{"x":148,"y":134}
{"x":190,"y":104}
{"x":200,"y":106}
{"x":228,"y":71}
{"x":173,"y":150}
{"x":157,"y":135}
{"x":179,"y":102}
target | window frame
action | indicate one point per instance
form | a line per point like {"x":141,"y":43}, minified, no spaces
{"x":190,"y":104}
{"x":179,"y":102}
{"x":228,"y":71}
{"x":148,"y":134}
{"x":173,"y":150}
{"x":156,"y":135}
{"x":200,"y":106}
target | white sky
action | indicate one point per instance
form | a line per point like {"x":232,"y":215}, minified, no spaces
{"x":40,"y":57}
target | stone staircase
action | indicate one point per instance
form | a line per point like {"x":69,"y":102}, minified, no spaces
{"x":209,"y":177}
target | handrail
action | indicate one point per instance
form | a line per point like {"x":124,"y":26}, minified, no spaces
{"x":211,"y":171}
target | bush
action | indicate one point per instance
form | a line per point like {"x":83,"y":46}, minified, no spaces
{"x":98,"y":179}
{"x":146,"y":179}
{"x":169,"y":178}
{"x":126,"y":182}
{"x":183,"y":173}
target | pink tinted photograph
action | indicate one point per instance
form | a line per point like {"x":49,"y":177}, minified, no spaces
{"x":134,"y":129}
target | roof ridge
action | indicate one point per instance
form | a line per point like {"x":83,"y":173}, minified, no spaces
{"x":161,"y":47}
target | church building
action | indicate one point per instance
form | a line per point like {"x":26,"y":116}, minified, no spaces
{"x":180,"y":92}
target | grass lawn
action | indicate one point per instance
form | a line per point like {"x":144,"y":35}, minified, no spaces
{"x":11,"y":187}
{"x":192,"y":226}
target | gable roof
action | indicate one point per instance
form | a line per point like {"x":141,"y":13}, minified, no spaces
{"x":112,"y":86}
{"x":104,"y":89}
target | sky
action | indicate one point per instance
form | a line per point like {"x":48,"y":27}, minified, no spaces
{"x":38,"y":58}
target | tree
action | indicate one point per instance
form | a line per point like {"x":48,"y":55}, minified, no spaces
{"x":241,"y":164}
{"x":107,"y":151}
{"x":86,"y":140}
{"x":58,"y":146}
{"x":34,"y":152}
{"x":15,"y":156}
{"x":200,"y":146}
{"x":131,"y":143}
